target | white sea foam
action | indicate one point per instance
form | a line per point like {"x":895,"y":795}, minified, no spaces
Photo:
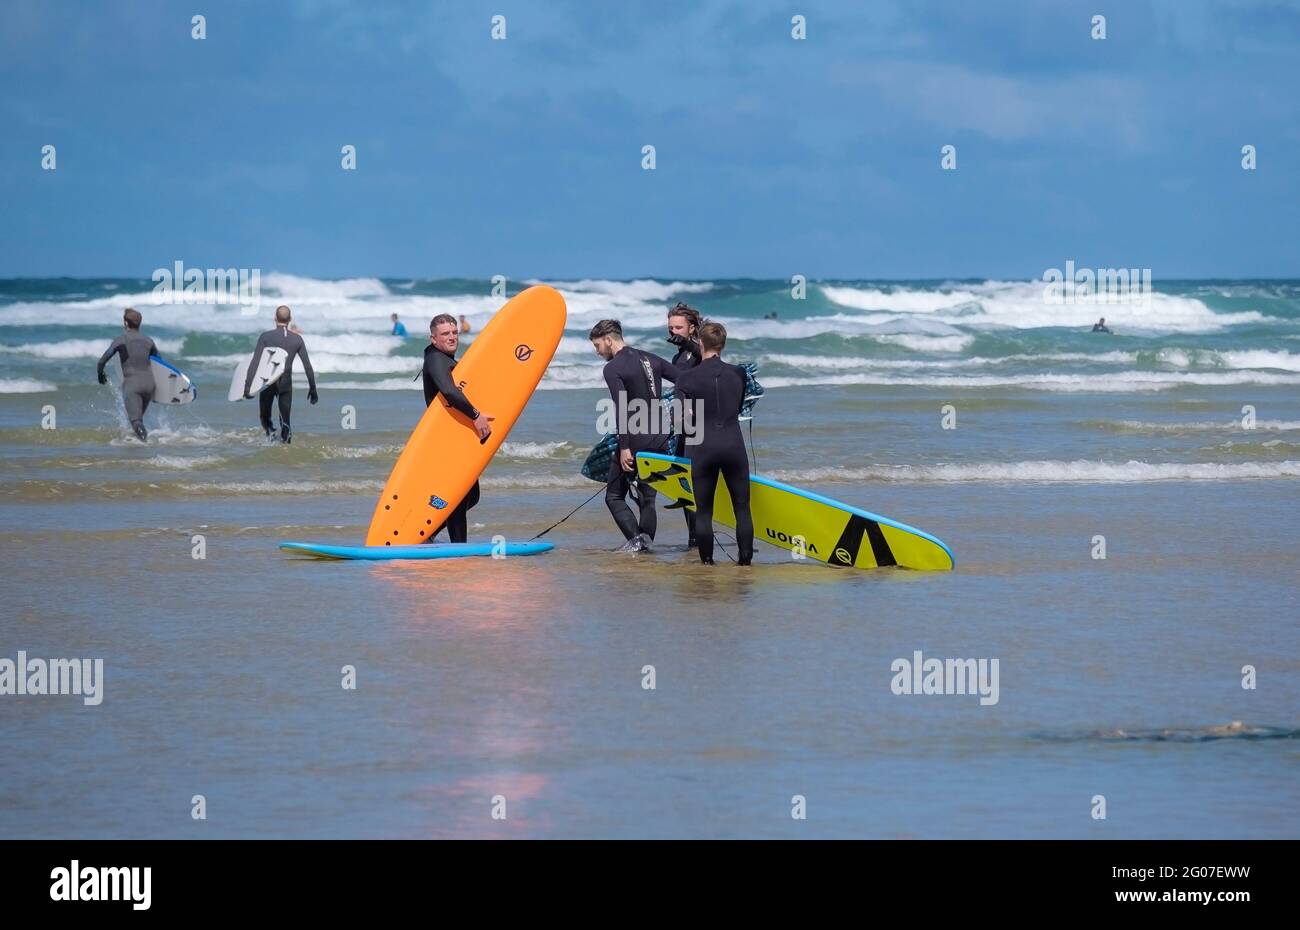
{"x":183,"y":463}
{"x":533,"y":450}
{"x":289,"y":287}
{"x":928,"y":343}
{"x":25,"y":386}
{"x":640,"y":291}
{"x":386,"y":384}
{"x":1078,"y":471}
{"x":841,"y":362}
{"x":1118,"y":382}
{"x":1280,"y":426}
{"x":1023,"y":305}
{"x":539,"y":482}
{"x":79,"y":348}
{"x":282,"y":487}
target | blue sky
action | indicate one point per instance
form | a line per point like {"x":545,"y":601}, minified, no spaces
{"x":775,"y":157}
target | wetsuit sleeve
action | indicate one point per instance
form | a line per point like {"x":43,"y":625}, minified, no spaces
{"x":440,"y":371}
{"x":667,"y":370}
{"x":306,"y":364}
{"x":619,"y":392}
{"x":118,"y":347}
{"x":252,"y":368}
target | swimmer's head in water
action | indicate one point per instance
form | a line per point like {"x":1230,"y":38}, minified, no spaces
{"x":607,"y":338}
{"x":283,"y":315}
{"x":132,"y":318}
{"x":444,"y":333}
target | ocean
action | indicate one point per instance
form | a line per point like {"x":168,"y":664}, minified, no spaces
{"x":1163,"y":679}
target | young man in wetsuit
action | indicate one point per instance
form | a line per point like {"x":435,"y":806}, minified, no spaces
{"x":133,"y":348}
{"x":719,"y":390}
{"x":439,"y":363}
{"x":399,"y":328}
{"x":1100,"y":326}
{"x":282,"y":337}
{"x":635,"y":381}
{"x":683,"y":321}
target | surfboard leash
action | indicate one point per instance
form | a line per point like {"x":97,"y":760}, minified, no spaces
{"x":567,"y":515}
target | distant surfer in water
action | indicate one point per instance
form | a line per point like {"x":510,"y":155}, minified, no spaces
{"x":719,"y":391}
{"x":133,"y":348}
{"x":683,"y":322}
{"x":1100,"y":326}
{"x":465,"y":328}
{"x":399,"y":328}
{"x":439,"y":363}
{"x":282,"y":337}
{"x":635,"y":380}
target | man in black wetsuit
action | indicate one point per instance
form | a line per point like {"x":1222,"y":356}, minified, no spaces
{"x":635,"y":380}
{"x":683,"y":321}
{"x":439,"y":363}
{"x":133,"y":348}
{"x":282,"y":337}
{"x":719,"y":390}
{"x":1100,"y":326}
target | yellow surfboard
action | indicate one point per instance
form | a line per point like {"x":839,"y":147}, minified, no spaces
{"x":831,"y":531}
{"x":443,"y":458}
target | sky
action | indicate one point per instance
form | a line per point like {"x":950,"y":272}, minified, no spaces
{"x":774,"y":156}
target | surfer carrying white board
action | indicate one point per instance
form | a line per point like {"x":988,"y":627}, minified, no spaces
{"x":635,"y":381}
{"x":439,"y":363}
{"x":282,"y":337}
{"x":134,"y":349}
{"x":717,"y":390}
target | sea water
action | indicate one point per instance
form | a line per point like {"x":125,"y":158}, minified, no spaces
{"x":1122,"y":508}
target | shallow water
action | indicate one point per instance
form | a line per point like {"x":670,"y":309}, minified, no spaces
{"x":523,"y":677}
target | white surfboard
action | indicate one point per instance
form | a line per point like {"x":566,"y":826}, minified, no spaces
{"x":269,"y":368}
{"x":170,"y":384}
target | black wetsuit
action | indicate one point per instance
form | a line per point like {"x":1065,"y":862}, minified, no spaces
{"x":1100,"y":328}
{"x":720,"y":390}
{"x":635,"y":375}
{"x":282,"y":388}
{"x":687,"y":357}
{"x":133,"y":348}
{"x":438,"y":380}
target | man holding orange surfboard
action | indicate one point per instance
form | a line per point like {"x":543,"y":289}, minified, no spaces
{"x":439,"y":363}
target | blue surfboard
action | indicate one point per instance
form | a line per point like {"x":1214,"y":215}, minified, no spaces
{"x":427,"y":551}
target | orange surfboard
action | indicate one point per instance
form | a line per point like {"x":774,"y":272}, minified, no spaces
{"x":443,"y":458}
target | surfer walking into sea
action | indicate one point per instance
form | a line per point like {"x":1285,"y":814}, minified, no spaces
{"x":439,"y":363}
{"x":399,"y":328}
{"x":718,"y":391}
{"x":133,"y":348}
{"x":635,"y":381}
{"x":283,"y":337}
{"x":1100,"y":326}
{"x":683,"y":323}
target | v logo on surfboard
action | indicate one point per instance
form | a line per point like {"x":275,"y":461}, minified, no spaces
{"x":443,"y":458}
